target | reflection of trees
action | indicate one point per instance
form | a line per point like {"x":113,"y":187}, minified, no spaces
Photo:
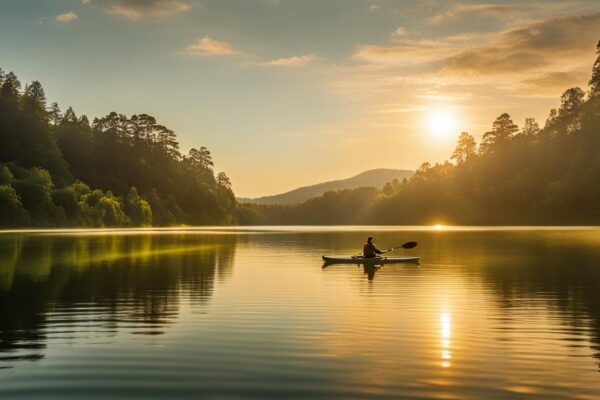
{"x":523,"y":272}
{"x":101,"y":283}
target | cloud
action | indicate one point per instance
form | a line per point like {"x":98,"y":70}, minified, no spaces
{"x":290,"y":62}
{"x":138,"y":9}
{"x":374,"y":7}
{"x":541,"y":46}
{"x":538,"y":59}
{"x":464,"y":10}
{"x":414,"y":53}
{"x":207,"y":46}
{"x":552,"y":83}
{"x":86,"y":1}
{"x":400,"y":31}
{"x":66,"y":17}
{"x":568,"y":40}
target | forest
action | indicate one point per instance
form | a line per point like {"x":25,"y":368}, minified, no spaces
{"x":58,"y":169}
{"x":531,"y":174}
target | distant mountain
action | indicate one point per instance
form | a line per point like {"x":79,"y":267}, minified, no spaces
{"x":375,"y":178}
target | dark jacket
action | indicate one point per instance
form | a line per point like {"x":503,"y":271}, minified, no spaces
{"x":369,"y":250}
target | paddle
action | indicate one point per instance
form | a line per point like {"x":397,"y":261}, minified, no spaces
{"x":407,"y":245}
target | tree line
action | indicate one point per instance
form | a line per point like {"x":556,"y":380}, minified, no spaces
{"x":531,"y":174}
{"x":58,"y":169}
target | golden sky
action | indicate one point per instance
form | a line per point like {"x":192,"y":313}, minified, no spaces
{"x":288,"y":93}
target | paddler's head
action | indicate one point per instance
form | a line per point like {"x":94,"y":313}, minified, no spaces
{"x":370,"y":239}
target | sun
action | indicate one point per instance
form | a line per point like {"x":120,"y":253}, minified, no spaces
{"x":441,"y":123}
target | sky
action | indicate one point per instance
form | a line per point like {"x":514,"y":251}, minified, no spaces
{"x":286,"y":93}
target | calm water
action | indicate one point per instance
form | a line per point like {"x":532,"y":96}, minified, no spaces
{"x":227,"y":314}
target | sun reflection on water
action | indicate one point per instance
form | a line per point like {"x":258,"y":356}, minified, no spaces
{"x":446,"y":326}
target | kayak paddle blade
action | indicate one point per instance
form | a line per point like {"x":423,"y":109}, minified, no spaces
{"x":409,"y":245}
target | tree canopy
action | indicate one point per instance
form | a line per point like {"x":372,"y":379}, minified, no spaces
{"x":57,"y":169}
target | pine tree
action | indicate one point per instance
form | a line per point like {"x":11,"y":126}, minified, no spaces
{"x":466,"y":148}
{"x":595,"y":79}
{"x":503,"y":129}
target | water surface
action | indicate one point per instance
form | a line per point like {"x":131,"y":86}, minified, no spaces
{"x":250,"y":313}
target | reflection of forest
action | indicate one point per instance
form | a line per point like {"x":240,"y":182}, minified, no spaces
{"x":557,"y":270}
{"x":62,"y":285}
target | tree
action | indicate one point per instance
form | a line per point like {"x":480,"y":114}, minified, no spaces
{"x":530,"y":127}
{"x":423,"y":168}
{"x":84,"y":121}
{"x":503,"y":129}
{"x":223,"y":180}
{"x":10,"y":85}
{"x":35,"y":98}
{"x":571,"y":103}
{"x":392,"y":188}
{"x":6,"y":177}
{"x":200,"y":158}
{"x":54,"y":114}
{"x":40,"y":144}
{"x":10,"y":148}
{"x":35,"y":191}
{"x":112,"y":211}
{"x":595,"y":79}
{"x":466,"y":148}
{"x":70,"y":117}
{"x":11,"y":210}
{"x":138,"y":209}
{"x":167,"y":142}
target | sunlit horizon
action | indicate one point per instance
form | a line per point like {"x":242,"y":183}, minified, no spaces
{"x":282,"y":104}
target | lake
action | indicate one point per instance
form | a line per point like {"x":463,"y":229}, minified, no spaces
{"x":231,"y":313}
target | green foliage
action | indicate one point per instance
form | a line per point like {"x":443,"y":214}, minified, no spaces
{"x":138,"y":209}
{"x":26,"y":132}
{"x":35,"y":188}
{"x":12,"y":212}
{"x":133,"y":171}
{"x":6,"y":176}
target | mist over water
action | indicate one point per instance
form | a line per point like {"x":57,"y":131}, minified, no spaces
{"x":252,"y":313}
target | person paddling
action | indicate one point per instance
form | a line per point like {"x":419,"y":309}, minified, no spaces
{"x":369,"y":249}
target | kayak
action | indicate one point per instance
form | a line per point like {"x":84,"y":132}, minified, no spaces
{"x":368,"y":260}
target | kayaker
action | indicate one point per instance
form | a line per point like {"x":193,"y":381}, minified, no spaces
{"x":369,"y":249}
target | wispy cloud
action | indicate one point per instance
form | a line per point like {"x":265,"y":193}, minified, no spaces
{"x":538,"y":59}
{"x":66,"y":17}
{"x":542,"y":46}
{"x":138,"y":9}
{"x":207,"y":46}
{"x":551,"y":83}
{"x":400,"y":32}
{"x":405,"y":55}
{"x":290,"y":62}
{"x":552,"y":42}
{"x":469,"y":10}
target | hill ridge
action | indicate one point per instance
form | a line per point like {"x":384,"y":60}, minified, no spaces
{"x":377,"y":177}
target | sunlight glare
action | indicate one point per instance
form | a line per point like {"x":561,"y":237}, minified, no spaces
{"x":446,"y":326}
{"x":441,"y":123}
